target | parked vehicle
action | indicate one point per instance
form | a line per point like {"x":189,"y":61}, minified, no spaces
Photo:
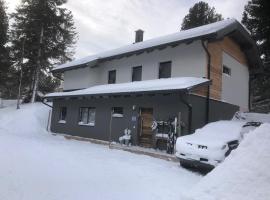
{"x":209,"y":146}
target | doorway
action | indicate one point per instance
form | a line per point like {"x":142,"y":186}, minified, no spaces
{"x":146,"y":134}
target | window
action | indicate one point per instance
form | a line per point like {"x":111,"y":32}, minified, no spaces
{"x":226,"y":70}
{"x":117,"y":112}
{"x":165,"y":69}
{"x":63,"y":115}
{"x":112,"y":76}
{"x":87,"y":116}
{"x":137,"y":73}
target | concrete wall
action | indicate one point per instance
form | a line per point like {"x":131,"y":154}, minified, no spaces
{"x":164,"y":106}
{"x":235,"y":87}
{"x":187,"y":60}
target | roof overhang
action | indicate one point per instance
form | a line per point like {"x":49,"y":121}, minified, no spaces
{"x":157,"y":86}
{"x":95,"y":62}
{"x":210,"y":32}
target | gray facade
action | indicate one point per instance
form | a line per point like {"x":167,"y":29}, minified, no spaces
{"x":164,"y":106}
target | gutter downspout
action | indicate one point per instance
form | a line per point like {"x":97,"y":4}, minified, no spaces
{"x":45,"y":103}
{"x":209,"y":78}
{"x":49,"y":117}
{"x":189,"y":106}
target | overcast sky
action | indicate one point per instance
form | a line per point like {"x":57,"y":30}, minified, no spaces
{"x":107,"y":24}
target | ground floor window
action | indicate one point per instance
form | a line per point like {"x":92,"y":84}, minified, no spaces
{"x":117,"y":112}
{"x":87,"y":116}
{"x":63,"y":115}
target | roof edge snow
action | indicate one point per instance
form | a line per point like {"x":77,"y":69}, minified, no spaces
{"x":215,"y":30}
{"x":138,"y":87}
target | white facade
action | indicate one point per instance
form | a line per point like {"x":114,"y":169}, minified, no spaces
{"x":187,"y":60}
{"x":80,"y":78}
{"x":235,"y":87}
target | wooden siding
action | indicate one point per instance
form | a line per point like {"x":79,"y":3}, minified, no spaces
{"x":216,"y":50}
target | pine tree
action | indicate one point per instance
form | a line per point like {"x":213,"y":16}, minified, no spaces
{"x":49,"y":34}
{"x":4,"y":52}
{"x":200,"y":14}
{"x":256,"y":18}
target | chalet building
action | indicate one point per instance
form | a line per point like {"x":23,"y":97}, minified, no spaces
{"x":197,"y":75}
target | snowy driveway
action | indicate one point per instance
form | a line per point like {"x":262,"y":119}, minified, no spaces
{"x":36,"y":165}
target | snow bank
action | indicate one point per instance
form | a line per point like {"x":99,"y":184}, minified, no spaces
{"x":30,"y":120}
{"x":244,"y":175}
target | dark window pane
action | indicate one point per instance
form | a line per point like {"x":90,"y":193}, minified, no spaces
{"x":92,"y":116}
{"x":137,"y":73}
{"x":84,"y":115}
{"x":87,"y":116}
{"x":226,"y":70}
{"x":112,"y":77}
{"x":165,"y":69}
{"x":63,"y":113}
{"x":117,"y":112}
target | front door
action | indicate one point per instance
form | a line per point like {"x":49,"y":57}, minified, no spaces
{"x":146,"y":134}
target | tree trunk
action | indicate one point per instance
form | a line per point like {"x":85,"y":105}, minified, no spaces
{"x":36,"y":80}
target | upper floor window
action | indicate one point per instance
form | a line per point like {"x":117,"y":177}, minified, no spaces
{"x":137,"y":73}
{"x":87,"y":116}
{"x":226,"y":70}
{"x":112,"y":76}
{"x":165,"y":69}
{"x":63,"y":115}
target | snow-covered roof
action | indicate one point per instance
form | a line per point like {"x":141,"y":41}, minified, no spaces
{"x":168,"y":84}
{"x":216,"y":29}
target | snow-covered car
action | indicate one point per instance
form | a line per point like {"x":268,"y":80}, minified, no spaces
{"x":209,"y":146}
{"x":252,"y":117}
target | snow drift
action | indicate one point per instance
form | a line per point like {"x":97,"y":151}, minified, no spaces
{"x":243,"y":175}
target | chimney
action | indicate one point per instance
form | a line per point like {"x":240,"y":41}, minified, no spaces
{"x":138,"y":36}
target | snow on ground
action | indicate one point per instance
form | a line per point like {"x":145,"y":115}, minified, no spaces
{"x":244,"y":175}
{"x":36,"y":165}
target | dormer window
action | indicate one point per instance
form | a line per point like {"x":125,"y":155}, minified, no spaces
{"x":165,"y":69}
{"x":112,"y":76}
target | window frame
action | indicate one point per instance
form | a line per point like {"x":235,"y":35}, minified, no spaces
{"x":132,"y":73}
{"x":88,"y":122}
{"x":62,"y":120}
{"x":159,"y":69}
{"x":229,"y":73}
{"x":118,"y":114}
{"x":109,"y":73}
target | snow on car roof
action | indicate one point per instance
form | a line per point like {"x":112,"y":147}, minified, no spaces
{"x":175,"y":37}
{"x":179,"y":83}
{"x":252,"y":117}
{"x":216,"y":133}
